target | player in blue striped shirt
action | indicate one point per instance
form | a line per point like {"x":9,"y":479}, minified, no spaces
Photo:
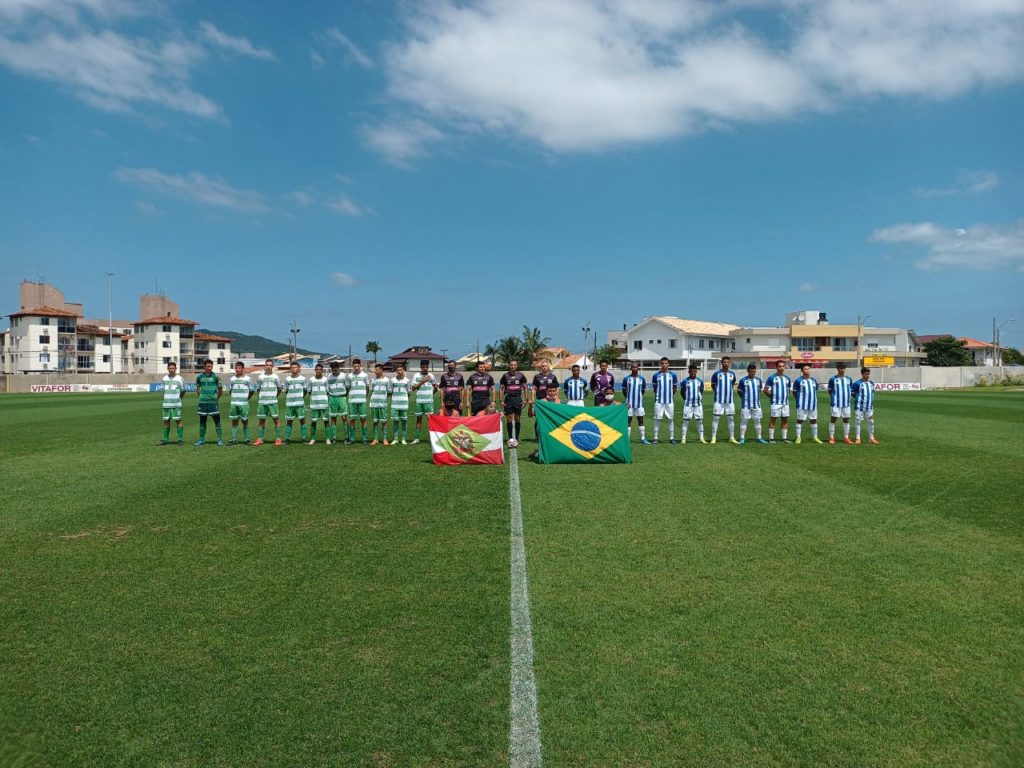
{"x":633,"y":387}
{"x":692,"y":392}
{"x":839,"y":387}
{"x":723,"y":382}
{"x":863,"y":391}
{"x":665,"y":384}
{"x":806,"y":391}
{"x":575,"y":388}
{"x":750,"y":403}
{"x":777,"y":387}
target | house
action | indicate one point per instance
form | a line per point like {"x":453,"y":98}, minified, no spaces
{"x":981,"y":352}
{"x":413,"y":356}
{"x":566,"y":362}
{"x":551,"y":354}
{"x":681,"y":341}
{"x":472,"y":359}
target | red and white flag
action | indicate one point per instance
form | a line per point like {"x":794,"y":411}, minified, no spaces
{"x":466,"y":439}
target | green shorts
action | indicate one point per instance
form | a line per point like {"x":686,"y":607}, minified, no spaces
{"x":399,"y":413}
{"x":424,"y":409}
{"x":294,"y":412}
{"x":239,"y":412}
{"x":357,"y":410}
{"x":266,"y":409}
{"x":337,"y":406}
{"x":208,"y":409}
{"x":379,"y":413}
{"x":172,"y":413}
{"x":318,"y":414}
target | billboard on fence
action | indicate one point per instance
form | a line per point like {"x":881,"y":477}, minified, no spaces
{"x":879,"y":361}
{"x":897,"y":387}
{"x":83,"y":388}
{"x":190,"y":386}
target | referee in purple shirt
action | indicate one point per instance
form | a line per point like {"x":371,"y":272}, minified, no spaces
{"x":601,"y":381}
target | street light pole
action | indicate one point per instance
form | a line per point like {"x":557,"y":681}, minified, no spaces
{"x":110,"y":319}
{"x":295,"y":341}
{"x":586,"y":336}
{"x":860,"y":336}
{"x":996,"y":340}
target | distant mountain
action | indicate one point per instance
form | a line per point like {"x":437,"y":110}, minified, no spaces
{"x":260,"y":346}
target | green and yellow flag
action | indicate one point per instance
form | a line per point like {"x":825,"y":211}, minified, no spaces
{"x":572,"y":435}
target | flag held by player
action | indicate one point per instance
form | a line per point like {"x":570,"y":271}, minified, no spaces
{"x":572,"y":435}
{"x":466,"y":440}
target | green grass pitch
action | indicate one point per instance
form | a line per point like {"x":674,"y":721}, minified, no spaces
{"x":707,"y":605}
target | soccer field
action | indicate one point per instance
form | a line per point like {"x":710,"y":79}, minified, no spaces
{"x":707,"y":605}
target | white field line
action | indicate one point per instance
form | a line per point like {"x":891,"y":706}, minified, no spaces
{"x":524,"y":725}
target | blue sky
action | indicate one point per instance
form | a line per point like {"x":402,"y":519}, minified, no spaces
{"x":434,"y":172}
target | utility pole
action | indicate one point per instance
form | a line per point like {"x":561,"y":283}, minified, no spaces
{"x":295,"y":332}
{"x":586,"y":337}
{"x":110,"y":318}
{"x":444,"y":355}
{"x":860,"y":336}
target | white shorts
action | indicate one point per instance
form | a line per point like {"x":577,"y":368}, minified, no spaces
{"x":664,"y":411}
{"x":724,"y":409}
{"x":838,"y":412}
{"x":638,"y":412}
{"x":693,"y":412}
{"x":801,"y":414}
{"x":780,"y":410}
{"x":751,"y":413}
{"x":861,"y":415}
{"x":575,"y":403}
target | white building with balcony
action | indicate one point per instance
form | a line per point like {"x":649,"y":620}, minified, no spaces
{"x":681,"y":341}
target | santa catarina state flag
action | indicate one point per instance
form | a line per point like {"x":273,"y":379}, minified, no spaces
{"x":572,"y":435}
{"x":466,"y":440}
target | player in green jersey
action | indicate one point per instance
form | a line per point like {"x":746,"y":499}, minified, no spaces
{"x":210,"y":389}
{"x":269,"y":387}
{"x":294,"y":402}
{"x":358,"y":393}
{"x":318,"y":403}
{"x":337,"y":403}
{"x":424,"y":385}
{"x":240,"y":391}
{"x":400,"y":386}
{"x":173,"y":390}
{"x":380,"y":392}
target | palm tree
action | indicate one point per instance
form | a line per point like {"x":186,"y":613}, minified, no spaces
{"x":372,"y":348}
{"x":533,"y":342}
{"x":506,"y":349}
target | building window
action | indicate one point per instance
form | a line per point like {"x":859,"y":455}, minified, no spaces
{"x":711,"y":343}
{"x":732,"y":345}
{"x":167,"y":360}
{"x":220,"y":361}
{"x":44,"y":339}
{"x":702,"y":343}
{"x":659,"y":341}
{"x":671,"y":343}
{"x":106,"y":358}
{"x":804,"y":344}
{"x":44,"y":357}
{"x":748,"y":341}
{"x":165,"y":328}
{"x":44,"y":321}
{"x":84,"y":362}
{"x":638,"y":345}
{"x":166,"y":345}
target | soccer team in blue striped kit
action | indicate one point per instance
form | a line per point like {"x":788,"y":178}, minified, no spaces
{"x":847,"y":398}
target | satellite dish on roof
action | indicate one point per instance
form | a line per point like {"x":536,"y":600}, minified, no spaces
{"x":801,"y":317}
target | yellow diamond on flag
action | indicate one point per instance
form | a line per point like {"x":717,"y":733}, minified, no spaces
{"x":585,"y":435}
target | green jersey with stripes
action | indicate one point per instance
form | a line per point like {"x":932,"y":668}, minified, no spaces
{"x":379,"y":389}
{"x":270,"y":387}
{"x":207,"y":385}
{"x":400,"y":393}
{"x":294,"y":391}
{"x":337,"y":386}
{"x":358,"y":387}
{"x":240,"y":387}
{"x":318,"y":392}
{"x":424,"y":394}
{"x":173,"y":387}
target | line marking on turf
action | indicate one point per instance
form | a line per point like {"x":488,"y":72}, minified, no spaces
{"x":524,"y":725}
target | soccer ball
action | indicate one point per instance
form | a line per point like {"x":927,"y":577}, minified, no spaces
{"x":513,"y":443}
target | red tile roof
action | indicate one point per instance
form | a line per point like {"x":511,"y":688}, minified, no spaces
{"x":44,"y":312}
{"x":165,"y":321}
{"x":211,"y":337}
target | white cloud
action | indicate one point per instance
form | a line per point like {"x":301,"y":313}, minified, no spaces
{"x":112,"y":72}
{"x":352,"y":52}
{"x":301,"y":198}
{"x":240,"y":45}
{"x":595,"y":74}
{"x":145,"y":207}
{"x":807,"y":287}
{"x":969,"y":182}
{"x":978,"y":247}
{"x":196,"y":188}
{"x":402,"y":141}
{"x":342,"y":280}
{"x":346,"y":205}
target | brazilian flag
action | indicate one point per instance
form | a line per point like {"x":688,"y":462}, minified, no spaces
{"x":572,"y":435}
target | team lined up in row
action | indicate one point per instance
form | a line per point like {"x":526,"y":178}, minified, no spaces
{"x":354,"y":399}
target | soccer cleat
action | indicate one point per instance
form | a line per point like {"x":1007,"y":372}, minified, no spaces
{"x":386,"y":442}
{"x":162,"y":442}
{"x":199,"y":442}
{"x":415,"y":442}
{"x":654,"y":441}
{"x":713,"y":440}
{"x":258,"y":441}
{"x":762,"y":441}
{"x":181,"y":442}
{"x":327,"y":441}
{"x":673,"y":442}
{"x":857,"y":441}
{"x":219,"y":441}
{"x":404,"y":442}
{"x":645,"y":441}
{"x":374,"y":442}
{"x":771,"y":440}
{"x":734,"y":441}
{"x":742,"y":441}
{"x":818,"y":441}
{"x":831,"y":441}
{"x":786,"y":440}
{"x":797,"y":441}
{"x":348,"y":441}
{"x":232,"y":442}
{"x":848,"y":441}
{"x":703,"y":441}
{"x":278,"y":442}
{"x":311,"y":442}
{"x":873,"y":441}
